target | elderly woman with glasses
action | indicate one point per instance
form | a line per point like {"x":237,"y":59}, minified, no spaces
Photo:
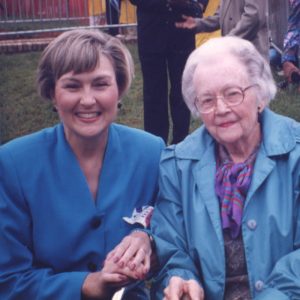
{"x":227,"y":219}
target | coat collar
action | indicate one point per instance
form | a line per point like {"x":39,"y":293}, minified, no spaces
{"x":279,"y":138}
{"x":280,"y":135}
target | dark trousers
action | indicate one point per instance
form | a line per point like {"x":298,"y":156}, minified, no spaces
{"x":112,"y":17}
{"x":160,"y":70}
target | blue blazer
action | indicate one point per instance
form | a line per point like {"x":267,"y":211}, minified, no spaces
{"x":52,"y":232}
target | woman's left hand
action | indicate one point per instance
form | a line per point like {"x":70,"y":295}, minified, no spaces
{"x":104,"y":283}
{"x":134,"y":251}
{"x":180,"y":289}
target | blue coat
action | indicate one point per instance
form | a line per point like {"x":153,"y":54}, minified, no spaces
{"x":187,"y":227}
{"x":52,"y":232}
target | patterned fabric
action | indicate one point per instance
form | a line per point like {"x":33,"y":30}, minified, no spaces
{"x":292,"y":38}
{"x":141,"y":215}
{"x":237,"y":283}
{"x":231,"y":185}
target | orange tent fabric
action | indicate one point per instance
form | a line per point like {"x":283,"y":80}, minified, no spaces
{"x":128,"y":14}
{"x":96,"y":7}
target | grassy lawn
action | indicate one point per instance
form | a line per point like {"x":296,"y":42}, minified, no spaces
{"x":22,"y":111}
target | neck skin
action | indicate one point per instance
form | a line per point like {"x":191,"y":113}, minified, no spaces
{"x":90,"y":154}
{"x":89,"y":148}
{"x":243,"y":148}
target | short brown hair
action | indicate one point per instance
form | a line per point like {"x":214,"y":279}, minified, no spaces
{"x":79,"y":51}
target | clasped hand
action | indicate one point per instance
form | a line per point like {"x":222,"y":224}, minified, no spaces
{"x":180,"y":289}
{"x":128,"y":261}
{"x":133,"y":252}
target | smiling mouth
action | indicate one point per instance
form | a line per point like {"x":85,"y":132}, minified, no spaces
{"x":88,"y":115}
{"x":227,"y":124}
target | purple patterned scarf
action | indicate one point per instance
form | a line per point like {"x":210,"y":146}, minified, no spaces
{"x":232,"y":185}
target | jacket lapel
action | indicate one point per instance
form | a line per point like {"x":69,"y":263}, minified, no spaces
{"x":204,"y":176}
{"x":278,"y":142}
{"x":225,"y":5}
{"x":200,"y":147}
{"x":259,"y":174}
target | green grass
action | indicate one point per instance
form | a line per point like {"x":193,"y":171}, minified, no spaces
{"x":23,"y":112}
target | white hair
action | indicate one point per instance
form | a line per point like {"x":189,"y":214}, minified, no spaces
{"x":257,"y":68}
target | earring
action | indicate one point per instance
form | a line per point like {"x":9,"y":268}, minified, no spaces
{"x":119,"y":105}
{"x":258,"y":114}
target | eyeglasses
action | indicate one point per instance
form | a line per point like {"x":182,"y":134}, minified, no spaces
{"x":231,"y":96}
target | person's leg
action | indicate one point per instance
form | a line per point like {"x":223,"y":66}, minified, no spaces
{"x":112,"y":16}
{"x":179,"y":112}
{"x":289,"y":65}
{"x":155,"y":93}
{"x":290,"y":55}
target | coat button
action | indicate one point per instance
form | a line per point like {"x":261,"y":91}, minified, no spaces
{"x":259,"y":285}
{"x":95,"y":222}
{"x":252,"y":224}
{"x":92,"y":266}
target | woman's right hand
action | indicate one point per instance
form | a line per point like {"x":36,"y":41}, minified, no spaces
{"x":180,"y":289}
{"x":188,"y":23}
{"x":134,"y":251}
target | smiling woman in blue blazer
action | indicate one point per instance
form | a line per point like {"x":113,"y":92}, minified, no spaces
{"x":65,"y":190}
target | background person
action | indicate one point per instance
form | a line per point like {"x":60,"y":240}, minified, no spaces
{"x":112,"y":15}
{"x":163,"y":51}
{"x":291,"y":43}
{"x":227,"y":220}
{"x":247,"y":19}
{"x":65,"y":190}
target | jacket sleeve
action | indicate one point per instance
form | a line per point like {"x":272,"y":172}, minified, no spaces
{"x":21,"y":276}
{"x":204,"y":3}
{"x":150,"y":5}
{"x":250,"y":21}
{"x":158,"y":5}
{"x":168,"y":229}
{"x":284,"y":280}
{"x":208,"y":24}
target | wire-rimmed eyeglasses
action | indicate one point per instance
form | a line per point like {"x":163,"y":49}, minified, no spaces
{"x":231,"y":96}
